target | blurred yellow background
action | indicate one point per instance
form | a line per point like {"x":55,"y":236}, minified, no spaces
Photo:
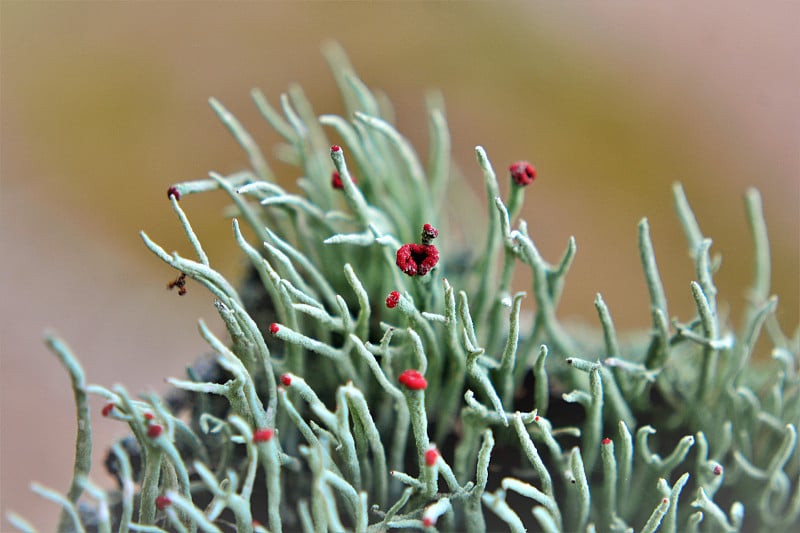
{"x":104,"y":105}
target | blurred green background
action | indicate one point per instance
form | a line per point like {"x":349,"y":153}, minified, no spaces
{"x":104,"y":105}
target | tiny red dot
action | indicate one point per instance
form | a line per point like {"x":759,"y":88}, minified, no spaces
{"x":263,"y":435}
{"x":336,"y":181}
{"x":522,"y":173}
{"x":717,"y":470}
{"x":393,"y":299}
{"x":274,"y":328}
{"x":154,"y":430}
{"x":286,"y":379}
{"x":536,"y":418}
{"x":431,"y":456}
{"x":107,"y":409}
{"x":429,"y":233}
{"x":162,"y":502}
{"x":664,"y":500}
{"x":413,"y":380}
{"x":173,"y":191}
{"x":335,"y":148}
{"x":606,"y":441}
{"x":428,"y":521}
{"x":148,"y":416}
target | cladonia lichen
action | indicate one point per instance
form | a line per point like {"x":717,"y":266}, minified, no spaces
{"x":372,"y":381}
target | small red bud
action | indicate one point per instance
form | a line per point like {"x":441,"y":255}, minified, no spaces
{"x":606,"y":441}
{"x":263,"y":435}
{"x":173,"y":191}
{"x":413,"y":380}
{"x":336,"y":180}
{"x":393,"y":299}
{"x":522,"y":173}
{"x":286,"y":379}
{"x":162,"y":502}
{"x":536,"y":418}
{"x":717,"y":470}
{"x":428,"y":521}
{"x":664,"y":500}
{"x":431,"y":456}
{"x":335,"y":148}
{"x":107,"y":408}
{"x":274,"y":328}
{"x":148,"y":416}
{"x":154,"y":430}
{"x":429,"y":233}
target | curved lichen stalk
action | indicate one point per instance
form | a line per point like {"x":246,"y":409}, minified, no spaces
{"x":375,"y":380}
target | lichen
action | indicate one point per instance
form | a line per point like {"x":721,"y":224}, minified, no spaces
{"x":452,"y":403}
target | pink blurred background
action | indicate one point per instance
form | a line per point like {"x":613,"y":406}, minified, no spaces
{"x":104,"y":105}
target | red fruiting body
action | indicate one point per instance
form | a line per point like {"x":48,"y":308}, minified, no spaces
{"x":173,"y":191}
{"x":431,"y":456}
{"x":536,"y":418}
{"x":430,"y":230}
{"x":413,"y":380}
{"x":162,"y":502}
{"x":429,"y":233}
{"x":274,"y":328}
{"x":522,"y":173}
{"x":428,"y":521}
{"x":263,"y":435}
{"x":107,"y":408}
{"x":606,"y":441}
{"x":286,"y":379}
{"x":336,"y":180}
{"x":417,"y":259}
{"x":148,"y":416}
{"x":154,"y":430}
{"x":335,"y":148}
{"x":717,"y":470}
{"x":393,"y":299}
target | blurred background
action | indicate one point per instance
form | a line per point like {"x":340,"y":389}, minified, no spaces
{"x":104,"y":105}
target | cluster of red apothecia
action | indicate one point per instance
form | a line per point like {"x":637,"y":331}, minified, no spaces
{"x":412,"y":258}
